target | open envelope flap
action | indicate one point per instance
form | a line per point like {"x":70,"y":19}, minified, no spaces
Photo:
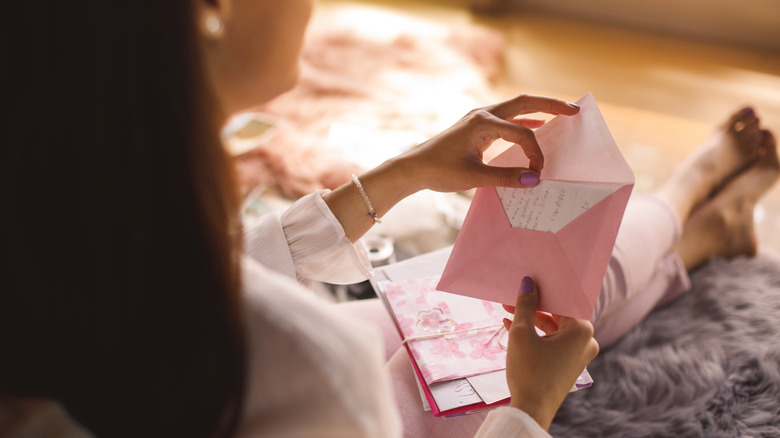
{"x":490,"y":259}
{"x":595,"y":156}
{"x":588,"y":241}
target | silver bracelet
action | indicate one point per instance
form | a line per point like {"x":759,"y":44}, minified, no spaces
{"x":371,"y":211}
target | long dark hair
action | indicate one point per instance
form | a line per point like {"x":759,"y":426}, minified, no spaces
{"x":119,"y":286}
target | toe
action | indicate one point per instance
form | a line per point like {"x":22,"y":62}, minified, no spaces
{"x":768,"y":139}
{"x":741,"y":119}
{"x":748,"y":132}
{"x":769,"y":150}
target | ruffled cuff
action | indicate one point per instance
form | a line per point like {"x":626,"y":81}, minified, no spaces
{"x":319,"y":247}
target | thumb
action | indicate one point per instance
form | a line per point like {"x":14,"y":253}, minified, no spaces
{"x":527,"y":301}
{"x":516,"y":177}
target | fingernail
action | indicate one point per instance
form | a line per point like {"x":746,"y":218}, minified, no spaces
{"x":529,"y":178}
{"x":527,"y":285}
{"x":748,"y":111}
{"x":574,"y":105}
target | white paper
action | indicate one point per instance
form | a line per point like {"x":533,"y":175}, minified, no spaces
{"x":454,"y":394}
{"x":491,"y":387}
{"x":552,"y":204}
{"x":426,"y":406}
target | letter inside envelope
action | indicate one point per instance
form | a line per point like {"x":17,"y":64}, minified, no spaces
{"x":560,"y":232}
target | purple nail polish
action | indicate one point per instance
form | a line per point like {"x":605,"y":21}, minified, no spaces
{"x":529,"y":178}
{"x":574,"y":105}
{"x":748,"y":111}
{"x":527,"y":285}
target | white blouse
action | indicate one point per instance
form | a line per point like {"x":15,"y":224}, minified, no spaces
{"x":312,"y":373}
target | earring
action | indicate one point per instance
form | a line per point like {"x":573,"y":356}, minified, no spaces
{"x":213,"y":24}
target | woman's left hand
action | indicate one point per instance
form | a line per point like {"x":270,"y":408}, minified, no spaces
{"x":452,"y":160}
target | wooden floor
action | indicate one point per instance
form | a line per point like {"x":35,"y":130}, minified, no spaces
{"x":660,"y":95}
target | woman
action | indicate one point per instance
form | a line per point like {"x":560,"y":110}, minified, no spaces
{"x":137,"y":326}
{"x":150,"y":322}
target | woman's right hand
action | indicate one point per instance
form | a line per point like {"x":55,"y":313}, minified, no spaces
{"x":541,"y":370}
{"x":451,"y":161}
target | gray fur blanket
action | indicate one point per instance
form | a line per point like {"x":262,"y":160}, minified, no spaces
{"x":706,"y":365}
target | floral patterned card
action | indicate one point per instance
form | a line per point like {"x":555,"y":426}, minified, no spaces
{"x":451,"y":336}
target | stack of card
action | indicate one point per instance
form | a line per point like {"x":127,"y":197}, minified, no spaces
{"x":457,"y":345}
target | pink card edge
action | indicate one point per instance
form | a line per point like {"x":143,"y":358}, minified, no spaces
{"x":432,"y":402}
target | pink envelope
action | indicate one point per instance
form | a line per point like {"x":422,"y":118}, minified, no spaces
{"x":576,"y":210}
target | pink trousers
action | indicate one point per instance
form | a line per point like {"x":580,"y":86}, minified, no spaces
{"x":643,"y":273}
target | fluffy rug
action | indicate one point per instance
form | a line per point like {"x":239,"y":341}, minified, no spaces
{"x":707,"y":365}
{"x":373,"y":83}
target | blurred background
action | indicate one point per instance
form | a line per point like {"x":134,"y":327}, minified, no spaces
{"x":379,"y":77}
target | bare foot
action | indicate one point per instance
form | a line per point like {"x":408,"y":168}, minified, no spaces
{"x":723,"y":226}
{"x":730,"y":149}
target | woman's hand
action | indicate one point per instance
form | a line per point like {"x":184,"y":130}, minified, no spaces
{"x":452,"y":160}
{"x":541,"y":370}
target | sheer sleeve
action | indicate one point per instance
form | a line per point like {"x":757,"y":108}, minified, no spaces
{"x":508,"y":422}
{"x":311,"y":372}
{"x":307,"y":242}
